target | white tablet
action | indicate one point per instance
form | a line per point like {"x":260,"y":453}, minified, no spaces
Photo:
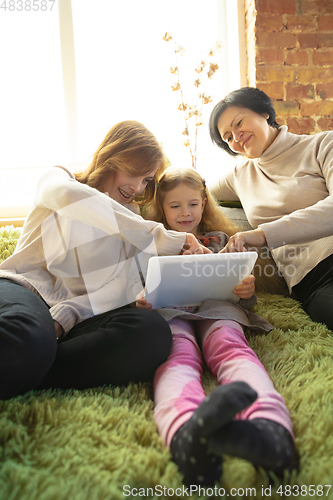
{"x":188,"y":280}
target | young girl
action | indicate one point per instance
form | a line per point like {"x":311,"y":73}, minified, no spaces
{"x":73,"y":274}
{"x":245,"y":416}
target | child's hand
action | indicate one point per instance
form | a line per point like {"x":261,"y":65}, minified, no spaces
{"x":247,"y":289}
{"x":141,"y":302}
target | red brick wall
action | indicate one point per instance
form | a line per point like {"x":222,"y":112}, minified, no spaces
{"x":290,"y":57}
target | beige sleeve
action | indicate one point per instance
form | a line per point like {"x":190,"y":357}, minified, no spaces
{"x":60,"y":193}
{"x":313,"y":222}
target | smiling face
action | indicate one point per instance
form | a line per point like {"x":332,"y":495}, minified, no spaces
{"x":183,"y":208}
{"x":123,"y":187}
{"x":245,"y":131}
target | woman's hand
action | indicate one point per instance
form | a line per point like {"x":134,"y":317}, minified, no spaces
{"x":59,"y":329}
{"x":247,"y":289}
{"x":192,"y":245}
{"x":141,"y":302}
{"x":237,"y":242}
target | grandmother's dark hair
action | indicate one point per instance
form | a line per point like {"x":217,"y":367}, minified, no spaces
{"x":247,"y":97}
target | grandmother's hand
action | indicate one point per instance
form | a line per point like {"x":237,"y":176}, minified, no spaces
{"x":237,"y":242}
{"x":192,"y":245}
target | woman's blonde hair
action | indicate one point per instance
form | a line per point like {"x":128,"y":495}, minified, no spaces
{"x":128,"y":147}
{"x":212,"y":217}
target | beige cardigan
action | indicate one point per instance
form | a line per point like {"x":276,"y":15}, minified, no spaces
{"x":81,"y":251}
{"x":288,"y":193}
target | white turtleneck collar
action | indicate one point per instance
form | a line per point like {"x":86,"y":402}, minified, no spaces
{"x":283,"y":141}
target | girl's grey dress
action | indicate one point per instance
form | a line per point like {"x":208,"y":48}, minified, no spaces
{"x":217,"y":309}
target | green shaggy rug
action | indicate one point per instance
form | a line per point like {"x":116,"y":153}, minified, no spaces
{"x":102,"y":444}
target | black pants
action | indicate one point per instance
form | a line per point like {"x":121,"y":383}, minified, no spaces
{"x":315,"y":292}
{"x":117,"y":347}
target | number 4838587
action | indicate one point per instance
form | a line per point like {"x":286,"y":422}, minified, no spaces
{"x":27,"y":5}
{"x":304,"y":491}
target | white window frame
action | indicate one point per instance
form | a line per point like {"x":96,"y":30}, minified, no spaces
{"x":235,"y":59}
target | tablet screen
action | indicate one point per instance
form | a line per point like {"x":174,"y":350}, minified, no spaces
{"x":189,"y":280}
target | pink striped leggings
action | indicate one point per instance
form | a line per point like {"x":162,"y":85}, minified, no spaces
{"x":178,"y":389}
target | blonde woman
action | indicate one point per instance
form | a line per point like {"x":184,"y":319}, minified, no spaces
{"x":77,"y":269}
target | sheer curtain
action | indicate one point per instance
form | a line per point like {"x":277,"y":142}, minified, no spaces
{"x":32,"y":117}
{"x":69,"y":73}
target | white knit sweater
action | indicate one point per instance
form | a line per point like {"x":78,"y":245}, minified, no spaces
{"x":81,"y":251}
{"x":288,"y":193}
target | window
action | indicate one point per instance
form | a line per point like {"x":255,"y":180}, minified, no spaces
{"x":69,"y":73}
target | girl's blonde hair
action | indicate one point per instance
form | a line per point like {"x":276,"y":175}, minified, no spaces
{"x":128,"y":147}
{"x":212,"y":217}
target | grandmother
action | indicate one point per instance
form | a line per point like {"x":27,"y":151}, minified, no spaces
{"x":285,"y":184}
